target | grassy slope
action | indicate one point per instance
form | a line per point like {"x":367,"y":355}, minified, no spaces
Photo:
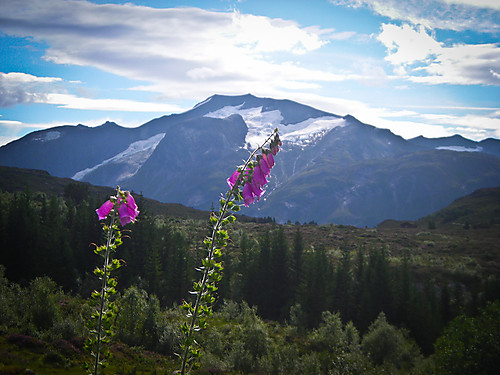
{"x":28,"y":355}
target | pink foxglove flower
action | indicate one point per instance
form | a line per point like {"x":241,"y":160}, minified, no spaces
{"x":255,"y":177}
{"x":248,"y":195}
{"x":256,"y":189}
{"x":259,"y":176}
{"x":269,"y":159}
{"x":104,"y":210}
{"x":127,"y":211}
{"x":264,"y":167}
{"x":232,"y":180}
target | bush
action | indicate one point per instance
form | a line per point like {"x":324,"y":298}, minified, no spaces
{"x":43,"y":303}
{"x":141,"y":322}
{"x":7,"y":301}
{"x":471,"y":345}
{"x":55,"y":359}
{"x":389,"y":346}
{"x":331,"y":335}
{"x":134,"y":310}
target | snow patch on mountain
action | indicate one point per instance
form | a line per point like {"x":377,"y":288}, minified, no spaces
{"x":47,"y":136}
{"x":261,"y":124}
{"x":134,"y":157}
{"x":460,"y":148}
{"x":308,"y":131}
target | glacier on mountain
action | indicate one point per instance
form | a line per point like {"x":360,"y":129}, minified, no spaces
{"x":262,"y":123}
{"x":134,"y":156}
{"x":307,"y":131}
{"x":460,"y":148}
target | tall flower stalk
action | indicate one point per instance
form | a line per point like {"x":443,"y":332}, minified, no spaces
{"x":122,"y":206}
{"x":245,"y":184}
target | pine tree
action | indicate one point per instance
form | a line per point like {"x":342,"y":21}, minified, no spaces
{"x":296,"y":266}
{"x":279,"y":286}
{"x":343,"y":297}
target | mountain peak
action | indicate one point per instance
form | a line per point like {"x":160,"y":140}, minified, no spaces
{"x":109,"y":124}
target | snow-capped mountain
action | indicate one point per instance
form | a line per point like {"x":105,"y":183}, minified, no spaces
{"x":331,"y":168}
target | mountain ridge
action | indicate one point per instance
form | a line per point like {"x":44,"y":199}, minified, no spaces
{"x":362,"y":174}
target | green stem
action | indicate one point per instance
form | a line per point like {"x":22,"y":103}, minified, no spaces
{"x":216,"y":228}
{"x":204,"y":282}
{"x":103,"y":292}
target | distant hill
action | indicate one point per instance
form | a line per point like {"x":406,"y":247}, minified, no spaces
{"x":481,"y":209}
{"x":37,"y":181}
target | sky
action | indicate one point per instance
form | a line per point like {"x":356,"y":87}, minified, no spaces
{"x":416,"y":67}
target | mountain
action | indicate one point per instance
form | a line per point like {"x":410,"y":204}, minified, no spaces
{"x":331,"y":168}
{"x":459,"y":144}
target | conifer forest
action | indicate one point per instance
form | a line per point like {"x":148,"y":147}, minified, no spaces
{"x":293,"y":299}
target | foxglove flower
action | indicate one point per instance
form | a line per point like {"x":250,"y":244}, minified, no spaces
{"x":248,"y":195}
{"x":232,"y":180}
{"x":264,"y":166}
{"x":269,"y":159}
{"x":256,"y":189}
{"x":259,"y":176}
{"x":104,"y":210}
{"x":126,"y":210}
{"x":255,"y":176}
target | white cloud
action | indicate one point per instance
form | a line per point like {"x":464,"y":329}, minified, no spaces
{"x":74,"y":102}
{"x":493,"y":4}
{"x":407,"y":45}
{"x":486,"y":123}
{"x":260,"y":34}
{"x":9,"y":123}
{"x":22,"y":88}
{"x":175,"y":50}
{"x":458,"y":15}
{"x":472,"y":126}
{"x":416,"y":55}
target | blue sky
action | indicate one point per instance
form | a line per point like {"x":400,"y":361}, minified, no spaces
{"x":416,"y":67}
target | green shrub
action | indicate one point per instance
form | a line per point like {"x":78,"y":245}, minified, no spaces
{"x":471,"y":345}
{"x":387,"y":345}
{"x":7,"y":301}
{"x":331,"y":334}
{"x":43,"y":303}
